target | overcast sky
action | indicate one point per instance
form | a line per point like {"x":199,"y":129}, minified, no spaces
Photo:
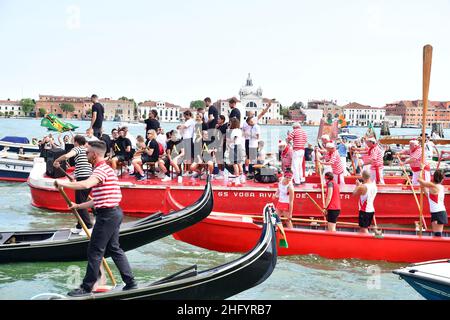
{"x":177,"y":51}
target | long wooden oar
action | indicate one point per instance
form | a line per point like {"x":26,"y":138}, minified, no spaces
{"x":86,"y":230}
{"x":427,"y":58}
{"x":408,"y":182}
{"x":318,"y":207}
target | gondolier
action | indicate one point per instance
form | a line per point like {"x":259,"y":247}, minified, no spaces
{"x":415,"y":162}
{"x":332,"y":202}
{"x":436,"y":196}
{"x":333,"y":159}
{"x":299,"y":140}
{"x":105,"y":236}
{"x":375,"y":160}
{"x":367,"y":191}
{"x":83,"y":170}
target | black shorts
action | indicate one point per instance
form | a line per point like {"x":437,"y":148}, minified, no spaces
{"x":121,"y":158}
{"x":440,"y":217}
{"x":146,"y":158}
{"x":332,"y":215}
{"x":365,"y":219}
{"x":247,"y":148}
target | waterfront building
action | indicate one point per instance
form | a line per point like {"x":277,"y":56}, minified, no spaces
{"x":52,"y":104}
{"x":313,"y":116}
{"x":251,"y":100}
{"x":329,"y":108}
{"x":411,"y":112}
{"x":118,"y":110}
{"x":357,"y":114}
{"x":12,"y":108}
{"x":167,"y":112}
{"x":394,"y":121}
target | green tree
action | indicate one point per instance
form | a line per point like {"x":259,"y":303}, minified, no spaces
{"x":1,"y":114}
{"x":67,"y":107}
{"x":42,"y":112}
{"x":27,"y":105}
{"x":297,"y":105}
{"x":197,"y":104}
{"x":285,"y":113}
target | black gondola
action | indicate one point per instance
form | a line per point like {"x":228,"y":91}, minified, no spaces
{"x":62,"y":245}
{"x":217,"y":283}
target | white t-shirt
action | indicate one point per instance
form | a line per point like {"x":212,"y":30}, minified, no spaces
{"x":236,"y":137}
{"x":429,"y":148}
{"x":162,"y":139}
{"x":132,"y":139}
{"x":188,"y":132}
{"x":246,"y":130}
{"x":93,"y":138}
{"x":255,"y":131}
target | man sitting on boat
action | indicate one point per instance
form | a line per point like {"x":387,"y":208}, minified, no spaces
{"x":321,"y":150}
{"x":332,"y":201}
{"x":367,"y":191}
{"x":415,"y":161}
{"x":436,"y":195}
{"x":333,"y":159}
{"x":375,"y":159}
{"x":121,"y":149}
{"x":285,"y":155}
{"x":285,"y":196}
{"x":203,"y":156}
{"x":149,"y":155}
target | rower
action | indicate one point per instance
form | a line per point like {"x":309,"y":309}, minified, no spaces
{"x":325,"y":139}
{"x":415,"y":161}
{"x":285,"y":195}
{"x":333,"y":159}
{"x":83,"y":170}
{"x":436,"y":195}
{"x":105,"y":236}
{"x":367,"y":191}
{"x":332,"y":202}
{"x":375,"y":160}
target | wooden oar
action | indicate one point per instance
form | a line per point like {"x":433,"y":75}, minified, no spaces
{"x":318,"y":207}
{"x":86,"y":230}
{"x":427,"y":58}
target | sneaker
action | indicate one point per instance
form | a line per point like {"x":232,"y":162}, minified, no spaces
{"x":75,"y":230}
{"x":83,"y":234}
{"x":130,"y":286}
{"x":161,"y":175}
{"x":218,"y":177}
{"x":243,"y":179}
{"x":140,"y":178}
{"x":78,"y":292}
{"x":166,"y":179}
{"x":195,"y":175}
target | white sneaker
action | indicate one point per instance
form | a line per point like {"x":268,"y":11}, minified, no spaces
{"x":218,"y":177}
{"x":166,"y":179}
{"x":75,"y":230}
{"x":237,"y":181}
{"x":243,"y":179}
{"x":161,"y":175}
{"x":83,"y":234}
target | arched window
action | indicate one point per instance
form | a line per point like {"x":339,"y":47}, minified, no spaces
{"x":251,"y":105}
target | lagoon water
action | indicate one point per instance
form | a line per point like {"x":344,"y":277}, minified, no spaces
{"x":295,"y":278}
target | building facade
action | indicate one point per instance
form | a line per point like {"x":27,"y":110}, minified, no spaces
{"x":313,"y":116}
{"x":52,"y":104}
{"x":167,"y":112}
{"x":118,"y":110}
{"x":412,"y":112}
{"x":329,"y":108}
{"x":11,"y":108}
{"x":361,"y":115}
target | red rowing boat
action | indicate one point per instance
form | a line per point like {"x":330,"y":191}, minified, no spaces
{"x":236,"y":233}
{"x":394,"y":204}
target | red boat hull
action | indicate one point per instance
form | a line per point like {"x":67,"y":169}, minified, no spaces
{"x":394,"y":204}
{"x":231,"y":234}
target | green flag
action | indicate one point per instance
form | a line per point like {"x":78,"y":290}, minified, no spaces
{"x":52,"y":123}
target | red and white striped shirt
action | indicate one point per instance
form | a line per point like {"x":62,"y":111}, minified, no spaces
{"x":416,"y":160}
{"x":376,"y":155}
{"x":336,"y":164}
{"x":299,"y":137}
{"x":107,"y":193}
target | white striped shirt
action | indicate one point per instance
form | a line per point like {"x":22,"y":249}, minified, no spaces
{"x":83,"y":169}
{"x":107,"y":193}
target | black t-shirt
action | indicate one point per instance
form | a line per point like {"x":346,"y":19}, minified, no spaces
{"x":170,"y":146}
{"x":97,"y":107}
{"x":152,"y":124}
{"x":213,"y":111}
{"x":153,"y":144}
{"x":120,"y":145}
{"x":235,"y":113}
{"x":308,"y":153}
{"x":388,"y":155}
{"x":108,"y":142}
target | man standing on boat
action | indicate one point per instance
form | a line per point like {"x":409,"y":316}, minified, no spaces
{"x":332,"y":201}
{"x":366,"y":191}
{"x":374,"y":159}
{"x":97,"y":116}
{"x":285,"y":196}
{"x":105,"y":236}
{"x":436,"y":195}
{"x":333,"y":159}
{"x":83,"y":170}
{"x":299,"y":139}
{"x":415,"y":162}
